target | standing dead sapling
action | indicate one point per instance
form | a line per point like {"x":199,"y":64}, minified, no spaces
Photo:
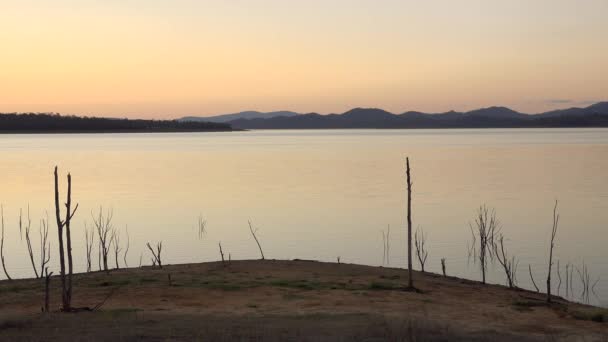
{"x":2,"y":244}
{"x":409,"y":224}
{"x":420,"y":243}
{"x":552,"y":244}
{"x":253,"y":231}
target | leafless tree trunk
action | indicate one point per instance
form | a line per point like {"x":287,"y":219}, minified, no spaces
{"x":47,"y":287}
{"x":45,"y":244}
{"x":103,"y":225}
{"x":386,"y":236}
{"x":532,"y":278}
{"x":559,"y":277}
{"x":89,"y":239}
{"x":202,"y":225}
{"x":553,"y":233}
{"x":127,"y":247}
{"x":2,"y":245}
{"x":28,"y":239}
{"x":409,"y":224}
{"x":156,"y":254}
{"x":253,"y":231}
{"x":66,"y":284}
{"x":420,"y":242}
{"x":509,"y":265}
{"x":486,"y":228}
{"x":222,"y":254}
{"x":116,"y":240}
{"x":443,"y":267}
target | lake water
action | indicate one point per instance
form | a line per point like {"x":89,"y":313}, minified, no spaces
{"x":322,"y":194}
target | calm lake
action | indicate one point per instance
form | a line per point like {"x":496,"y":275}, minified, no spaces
{"x":322,"y":194}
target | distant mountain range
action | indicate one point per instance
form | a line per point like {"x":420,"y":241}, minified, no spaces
{"x":493,"y":117}
{"x":236,"y":116}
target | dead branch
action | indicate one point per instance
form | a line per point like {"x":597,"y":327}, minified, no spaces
{"x":253,"y":231}
{"x":443,"y":267}
{"x":116,"y":241}
{"x":553,"y":233}
{"x":28,"y":239}
{"x":156,"y":257}
{"x":202,"y":225}
{"x":532,"y":277}
{"x":89,"y":239}
{"x":126,"y":247}
{"x":222,"y":254}
{"x":45,"y":244}
{"x":509,"y":265}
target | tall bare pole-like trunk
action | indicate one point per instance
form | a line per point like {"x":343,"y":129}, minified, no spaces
{"x":66,"y":282}
{"x":64,"y":298}
{"x":68,"y":233}
{"x":409,"y":225}
{"x":553,"y":233}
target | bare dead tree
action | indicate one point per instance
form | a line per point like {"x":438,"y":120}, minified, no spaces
{"x":553,"y":233}
{"x":89,"y":239}
{"x":47,"y":287}
{"x":567,"y":280}
{"x":66,"y":284}
{"x":28,"y":239}
{"x":2,"y":245}
{"x":420,"y":243}
{"x":156,"y":257}
{"x":127,"y":247}
{"x":253,"y":231}
{"x":483,"y":238}
{"x":222,"y":254}
{"x":409,"y":224}
{"x":141,"y":255}
{"x":386,"y":236}
{"x":116,"y":241}
{"x":532,"y":278}
{"x":202,"y":225}
{"x":559,"y":277}
{"x":509,"y":264}
{"x":338,"y":259}
{"x":103,"y":225}
{"x":585,"y":278}
{"x":45,"y":244}
{"x":443,"y":267}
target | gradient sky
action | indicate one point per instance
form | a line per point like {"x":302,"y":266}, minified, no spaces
{"x":169,"y":58}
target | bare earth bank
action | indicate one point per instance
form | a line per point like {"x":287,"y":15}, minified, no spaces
{"x":290,"y":300}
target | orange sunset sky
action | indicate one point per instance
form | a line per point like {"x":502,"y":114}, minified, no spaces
{"x":170,"y":58}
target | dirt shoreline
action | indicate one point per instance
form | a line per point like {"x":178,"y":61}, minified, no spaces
{"x":293,"y":300}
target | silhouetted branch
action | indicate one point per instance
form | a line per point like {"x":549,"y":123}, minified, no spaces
{"x":2,"y":244}
{"x":256,"y":238}
{"x":553,"y":233}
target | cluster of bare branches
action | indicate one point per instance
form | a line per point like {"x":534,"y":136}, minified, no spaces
{"x":484,"y":236}
{"x":45,"y":247}
{"x":386,"y":236}
{"x":156,"y":257}
{"x":105,"y":228}
{"x":420,"y":243}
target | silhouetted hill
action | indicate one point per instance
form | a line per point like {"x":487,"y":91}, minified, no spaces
{"x":492,"y":117}
{"x":235,"y":116}
{"x":55,"y":123}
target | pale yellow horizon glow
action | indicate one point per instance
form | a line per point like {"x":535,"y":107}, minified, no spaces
{"x":167,"y":59}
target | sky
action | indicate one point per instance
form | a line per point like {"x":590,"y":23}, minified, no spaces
{"x":170,"y":58}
